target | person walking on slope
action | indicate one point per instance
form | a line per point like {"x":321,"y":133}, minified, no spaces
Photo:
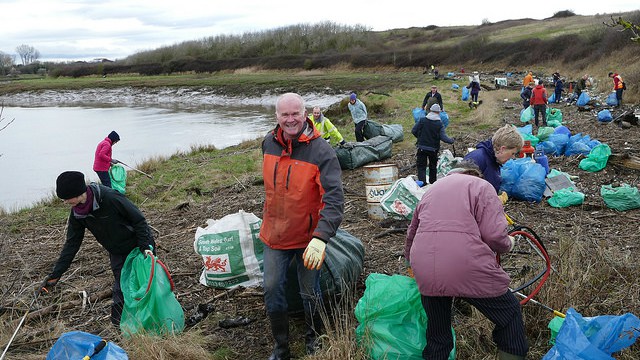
{"x":474,"y":86}
{"x":618,"y":86}
{"x":429,"y":131}
{"x":539,"y":102}
{"x":432,"y":97}
{"x":303,"y":207}
{"x":327,"y":130}
{"x":115,"y":222}
{"x":558,"y":90}
{"x":456,"y":230}
{"x":359,"y":115}
{"x":102,"y":160}
{"x":526,"y":95}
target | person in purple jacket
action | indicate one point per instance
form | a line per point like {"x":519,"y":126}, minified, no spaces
{"x":102,"y":160}
{"x":490,"y":154}
{"x":456,"y":230}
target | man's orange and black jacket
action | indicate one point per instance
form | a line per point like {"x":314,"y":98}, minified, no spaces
{"x":303,"y":185}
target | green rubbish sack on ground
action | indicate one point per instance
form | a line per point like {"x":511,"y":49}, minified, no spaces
{"x":566,"y":197}
{"x":118,"y":175}
{"x":150,"y":306}
{"x":392,"y":320}
{"x":373,"y":129}
{"x":597,"y":158}
{"x":620,"y":198}
{"x":343,"y":264}
{"x":231,"y":251}
{"x":356,"y":154}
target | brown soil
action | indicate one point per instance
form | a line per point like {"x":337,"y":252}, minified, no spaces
{"x":592,"y":222}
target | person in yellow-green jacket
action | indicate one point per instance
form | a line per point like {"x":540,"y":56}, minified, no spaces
{"x":328,"y":131}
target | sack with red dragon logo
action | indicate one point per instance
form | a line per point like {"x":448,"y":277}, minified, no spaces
{"x":231,"y":251}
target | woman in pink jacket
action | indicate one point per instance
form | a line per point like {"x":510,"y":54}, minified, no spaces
{"x":102,"y":161}
{"x":456,"y":231}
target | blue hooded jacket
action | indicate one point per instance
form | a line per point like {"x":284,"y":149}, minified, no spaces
{"x":485,"y":158}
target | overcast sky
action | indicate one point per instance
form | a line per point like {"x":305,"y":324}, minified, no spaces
{"x":114,"y":29}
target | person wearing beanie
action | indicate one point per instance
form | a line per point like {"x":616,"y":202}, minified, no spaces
{"x":359,"y":115}
{"x":102,"y":160}
{"x":115,"y":222}
{"x":429,"y":131}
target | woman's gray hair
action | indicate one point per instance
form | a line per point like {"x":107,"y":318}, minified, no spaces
{"x":466,"y":167}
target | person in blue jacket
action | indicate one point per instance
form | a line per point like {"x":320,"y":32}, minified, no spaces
{"x":490,"y":154}
{"x":429,"y":131}
{"x":559,"y":89}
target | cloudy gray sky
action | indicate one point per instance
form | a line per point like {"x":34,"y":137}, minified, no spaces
{"x":86,"y":29}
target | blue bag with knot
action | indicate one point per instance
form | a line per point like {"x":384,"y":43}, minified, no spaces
{"x":604,"y":115}
{"x":583,"y":99}
{"x":523,"y":179}
{"x":593,"y":338}
{"x":612,"y":100}
{"x":455,"y":86}
{"x":560,"y":140}
{"x":526,"y":130}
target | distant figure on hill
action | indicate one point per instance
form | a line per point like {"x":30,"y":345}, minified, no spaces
{"x":556,"y":77}
{"x":474,"y":86}
{"x":581,"y":85}
{"x":526,"y":95}
{"x":558,"y":90}
{"x":103,"y":160}
{"x":527,"y":79}
{"x":618,"y":86}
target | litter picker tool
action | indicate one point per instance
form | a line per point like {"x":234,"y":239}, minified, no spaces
{"x":98,"y":348}
{"x":24,"y":317}
{"x":555,"y":312}
{"x":134,"y":169}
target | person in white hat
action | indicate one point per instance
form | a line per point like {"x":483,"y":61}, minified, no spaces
{"x":429,"y":131}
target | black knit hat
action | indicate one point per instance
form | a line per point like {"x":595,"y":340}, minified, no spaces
{"x":70,"y":184}
{"x":114,"y":136}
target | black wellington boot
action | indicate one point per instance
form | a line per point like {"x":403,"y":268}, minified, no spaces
{"x":314,"y":330}
{"x":280,"y":331}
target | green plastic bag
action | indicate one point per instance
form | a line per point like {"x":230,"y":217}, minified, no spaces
{"x":622,"y":198}
{"x":544,"y":132}
{"x":597,"y":158}
{"x":534,"y":140}
{"x":566,"y":197}
{"x":118,"y":175}
{"x":554,"y":114}
{"x":554,"y":123}
{"x":527,"y":114}
{"x":150,"y":306}
{"x":392,"y":319}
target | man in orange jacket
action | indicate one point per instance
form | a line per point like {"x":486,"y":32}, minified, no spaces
{"x":303,"y":208}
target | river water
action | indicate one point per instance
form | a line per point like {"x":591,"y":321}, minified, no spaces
{"x":45,"y":140}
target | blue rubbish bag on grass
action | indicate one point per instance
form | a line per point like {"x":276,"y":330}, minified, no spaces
{"x":604,"y":116}
{"x":612,"y":100}
{"x":552,"y":98}
{"x":465,"y":93}
{"x":523,"y":179}
{"x":75,"y":345}
{"x":444,"y":117}
{"x":593,"y":338}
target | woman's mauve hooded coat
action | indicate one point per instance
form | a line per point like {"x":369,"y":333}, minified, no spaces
{"x":457,"y":228}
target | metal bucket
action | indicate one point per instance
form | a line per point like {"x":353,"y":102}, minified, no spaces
{"x":378,"y":180}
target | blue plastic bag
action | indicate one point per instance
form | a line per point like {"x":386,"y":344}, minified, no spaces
{"x":445,"y":118}
{"x":465,"y":93}
{"x":526,"y":130}
{"x":527,"y":114}
{"x":604,"y":115}
{"x":78,"y":344}
{"x":560,"y":140}
{"x":455,"y":86}
{"x":523,"y":179}
{"x":552,"y":98}
{"x":583,"y":99}
{"x":548,"y":147}
{"x":612,"y":100}
{"x":418,"y":113}
{"x":593,"y":338}
{"x":562,"y":130}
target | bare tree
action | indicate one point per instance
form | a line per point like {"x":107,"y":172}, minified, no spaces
{"x":626,"y":25}
{"x":28,"y":53}
{"x":6,"y":62}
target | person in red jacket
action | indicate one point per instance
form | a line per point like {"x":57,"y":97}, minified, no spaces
{"x":102,"y":161}
{"x":618,"y":86}
{"x":539,"y":102}
{"x":304,"y":204}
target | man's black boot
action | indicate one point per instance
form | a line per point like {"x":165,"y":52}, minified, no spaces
{"x":314,"y":330}
{"x":280,"y":330}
